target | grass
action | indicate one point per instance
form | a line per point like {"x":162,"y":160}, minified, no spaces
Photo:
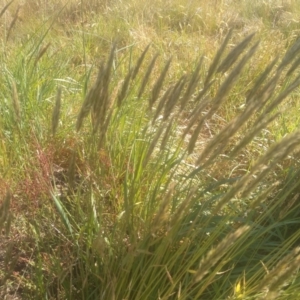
{"x":149,"y":152}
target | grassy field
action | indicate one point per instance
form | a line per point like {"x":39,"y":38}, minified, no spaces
{"x":149,"y":149}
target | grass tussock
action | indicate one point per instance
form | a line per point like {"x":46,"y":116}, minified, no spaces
{"x":138,"y":170}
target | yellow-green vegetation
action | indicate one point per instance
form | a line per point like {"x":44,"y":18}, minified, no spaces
{"x":149,"y":149}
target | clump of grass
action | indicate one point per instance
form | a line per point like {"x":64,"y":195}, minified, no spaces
{"x":136,"y":210}
{"x":150,"y":235}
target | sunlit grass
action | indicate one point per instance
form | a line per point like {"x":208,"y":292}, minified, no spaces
{"x":169,"y":175}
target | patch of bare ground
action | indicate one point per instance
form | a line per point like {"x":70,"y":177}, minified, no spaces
{"x":15,"y":262}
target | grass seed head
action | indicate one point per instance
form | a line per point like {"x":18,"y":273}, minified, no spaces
{"x":41,"y":53}
{"x":115,"y":93}
{"x":85,"y":108}
{"x":253,"y":91}
{"x":290,"y":54}
{"x":294,"y":67}
{"x":216,"y":254}
{"x":139,"y":63}
{"x":216,"y":59}
{"x":194,"y":137}
{"x":234,"y":54}
{"x":158,"y":85}
{"x":100,"y":95}
{"x":280,"y":273}
{"x":174,"y":97}
{"x":147,"y":76}
{"x":109,"y":66}
{"x":192,"y":84}
{"x":153,"y":144}
{"x":224,"y":136}
{"x":104,"y":128}
{"x":92,"y":101}
{"x":252,"y":133}
{"x":228,"y":83}
{"x":124,"y":88}
{"x":195,"y":115}
{"x":282,"y":95}
{"x":220,"y":97}
{"x":283,"y":274}
{"x":288,"y":206}
{"x":166,"y":136}
{"x":203,"y":92}
{"x":161,"y":103}
{"x":267,"y":161}
{"x":263,"y":196}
